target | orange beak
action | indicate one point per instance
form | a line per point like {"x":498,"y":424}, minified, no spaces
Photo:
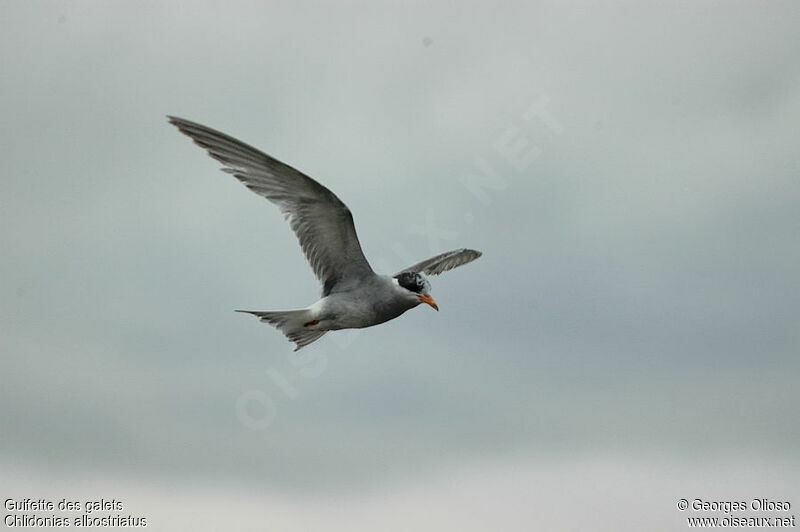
{"x":429,"y":300}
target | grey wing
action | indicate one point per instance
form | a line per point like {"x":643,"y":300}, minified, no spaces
{"x":443,"y":262}
{"x":321,"y":221}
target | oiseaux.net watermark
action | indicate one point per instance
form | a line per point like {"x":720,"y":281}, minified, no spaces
{"x":753,"y":513}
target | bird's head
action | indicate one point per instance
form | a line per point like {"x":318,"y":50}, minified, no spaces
{"x":417,"y":287}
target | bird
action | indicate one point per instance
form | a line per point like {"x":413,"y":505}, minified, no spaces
{"x":353,"y":295}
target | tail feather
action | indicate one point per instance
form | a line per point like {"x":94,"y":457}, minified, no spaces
{"x":292,"y":323}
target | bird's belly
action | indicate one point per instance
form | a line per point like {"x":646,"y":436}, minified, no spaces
{"x":348,"y":314}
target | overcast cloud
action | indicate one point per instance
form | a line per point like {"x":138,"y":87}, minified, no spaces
{"x":629,"y":170}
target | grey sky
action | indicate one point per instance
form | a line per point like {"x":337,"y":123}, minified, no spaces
{"x":637,"y":292}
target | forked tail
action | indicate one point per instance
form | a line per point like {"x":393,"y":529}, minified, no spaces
{"x":297,"y":325}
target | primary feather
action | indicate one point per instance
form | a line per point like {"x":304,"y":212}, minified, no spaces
{"x":322,"y":222}
{"x":443,"y":262}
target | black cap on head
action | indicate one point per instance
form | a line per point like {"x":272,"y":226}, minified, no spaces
{"x":411,"y":281}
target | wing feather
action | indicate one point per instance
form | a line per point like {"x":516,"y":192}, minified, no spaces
{"x":443,"y":262}
{"x":322,"y":222}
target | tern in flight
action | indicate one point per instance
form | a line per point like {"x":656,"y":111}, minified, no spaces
{"x":353,"y":296}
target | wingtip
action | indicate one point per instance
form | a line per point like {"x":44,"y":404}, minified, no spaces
{"x":470,"y":250}
{"x":180,"y":123}
{"x":474,"y":252}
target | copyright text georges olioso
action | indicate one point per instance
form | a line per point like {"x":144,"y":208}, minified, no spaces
{"x":755,"y":513}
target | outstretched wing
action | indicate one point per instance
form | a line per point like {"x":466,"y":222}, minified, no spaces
{"x":443,"y":262}
{"x":322,"y":223}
